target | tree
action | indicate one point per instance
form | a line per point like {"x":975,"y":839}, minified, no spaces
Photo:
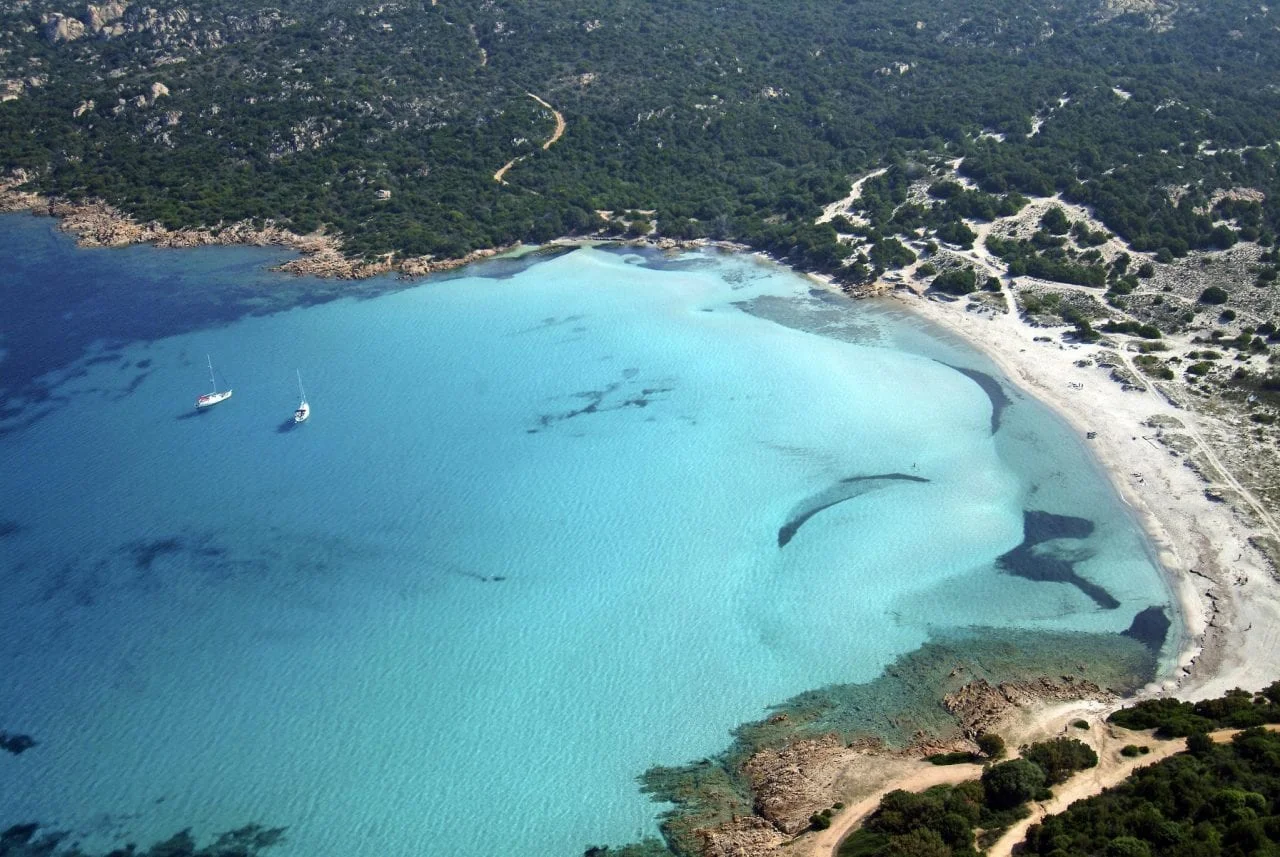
{"x":957,"y":281}
{"x":1127,"y":846}
{"x":923,"y":842}
{"x":1054,"y":221}
{"x":1012,"y":783}
{"x":1060,"y":758}
{"x":955,"y":232}
{"x":991,"y":745}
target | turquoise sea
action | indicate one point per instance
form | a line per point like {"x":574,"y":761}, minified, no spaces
{"x":553,"y":521}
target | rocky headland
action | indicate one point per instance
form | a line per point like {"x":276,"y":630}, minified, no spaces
{"x":791,"y":783}
{"x":97,"y":224}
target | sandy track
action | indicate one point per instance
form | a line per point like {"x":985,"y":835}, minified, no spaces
{"x":560,"y":126}
{"x":1112,"y":769}
{"x":499,"y":176}
{"x":924,"y":775}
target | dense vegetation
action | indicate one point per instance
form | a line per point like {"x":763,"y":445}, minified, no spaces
{"x":1216,"y":799}
{"x":942,"y":821}
{"x":732,"y":122}
{"x":1171,"y":718}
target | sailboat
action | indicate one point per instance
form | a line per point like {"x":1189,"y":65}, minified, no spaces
{"x":216,"y":396}
{"x":304,"y":410}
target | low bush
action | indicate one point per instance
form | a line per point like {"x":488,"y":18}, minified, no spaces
{"x":1214,"y":295}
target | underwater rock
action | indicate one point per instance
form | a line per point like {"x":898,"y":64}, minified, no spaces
{"x":15,"y":743}
{"x":248,"y":841}
{"x":1150,"y":627}
{"x":995,"y":392}
{"x":1026,"y":562}
{"x":845,"y":489}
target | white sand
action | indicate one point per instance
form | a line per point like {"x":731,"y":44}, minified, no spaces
{"x":1229,"y":599}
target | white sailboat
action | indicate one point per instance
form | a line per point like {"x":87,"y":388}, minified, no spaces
{"x":216,"y":396}
{"x":304,"y":410}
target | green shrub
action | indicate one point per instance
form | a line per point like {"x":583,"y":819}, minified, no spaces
{"x":1054,"y":221}
{"x":1080,"y":724}
{"x":1146,"y":331}
{"x":957,"y":281}
{"x":1214,"y":295}
{"x":1060,"y":758}
{"x":1169,"y":717}
{"x":1152,"y":366}
{"x":991,"y":745}
{"x":1131,"y":751}
{"x":1199,"y":369}
{"x":1012,"y":783}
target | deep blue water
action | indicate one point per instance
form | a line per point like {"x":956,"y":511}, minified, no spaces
{"x":552,"y":521}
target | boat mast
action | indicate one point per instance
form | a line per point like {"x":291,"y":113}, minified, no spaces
{"x":212,"y":382}
{"x":300,"y":389}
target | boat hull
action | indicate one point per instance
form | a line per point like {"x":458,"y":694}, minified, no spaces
{"x":211,"y":399}
{"x":301,"y":414}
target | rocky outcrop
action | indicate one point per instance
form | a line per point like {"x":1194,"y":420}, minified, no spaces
{"x":420,"y":266}
{"x":96,"y":224}
{"x":98,"y":18}
{"x":13,"y":199}
{"x":59,"y":28}
{"x":330,"y":263}
{"x":979,"y":707}
{"x":792,"y":783}
{"x":745,"y":836}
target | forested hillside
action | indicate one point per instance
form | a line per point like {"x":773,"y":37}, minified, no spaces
{"x":386,"y":122}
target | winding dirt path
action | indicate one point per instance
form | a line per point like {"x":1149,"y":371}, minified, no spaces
{"x":559,"y":132}
{"x":502,"y":170}
{"x":842,"y":205}
{"x":827,"y":842}
{"x":551,"y":141}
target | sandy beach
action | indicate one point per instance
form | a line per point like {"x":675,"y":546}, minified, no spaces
{"x":1226,"y":591}
{"x":1228,"y":595}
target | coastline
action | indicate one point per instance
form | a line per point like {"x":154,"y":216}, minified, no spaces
{"x":1229,"y":599}
{"x":1227,"y":595}
{"x":97,"y":224}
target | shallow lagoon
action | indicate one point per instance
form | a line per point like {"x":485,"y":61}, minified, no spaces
{"x":550,"y":523}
